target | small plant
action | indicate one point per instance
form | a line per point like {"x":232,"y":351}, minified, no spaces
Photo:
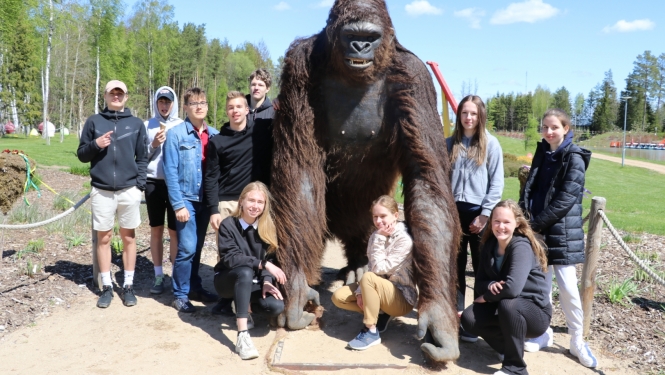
{"x":619,"y":292}
{"x":63,"y":201}
{"x":75,"y":240}
{"x":631,"y":238}
{"x":641,"y":275}
{"x":32,"y":268}
{"x":25,"y":214}
{"x":116,"y":245}
{"x":23,"y":252}
{"x":116,"y":229}
{"x":35,"y":246}
{"x":81,"y":170}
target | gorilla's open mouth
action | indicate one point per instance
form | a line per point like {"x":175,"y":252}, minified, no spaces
{"x":358,"y":63}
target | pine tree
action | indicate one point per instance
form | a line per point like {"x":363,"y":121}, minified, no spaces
{"x":561,"y":100}
{"x":605,"y":112}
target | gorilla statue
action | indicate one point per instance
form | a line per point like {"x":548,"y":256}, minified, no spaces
{"x":357,"y":110}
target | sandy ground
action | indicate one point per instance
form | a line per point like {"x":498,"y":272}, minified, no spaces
{"x":634,"y":163}
{"x":153,"y":338}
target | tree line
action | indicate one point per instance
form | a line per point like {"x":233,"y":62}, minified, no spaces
{"x":602,"y":110}
{"x":63,"y":52}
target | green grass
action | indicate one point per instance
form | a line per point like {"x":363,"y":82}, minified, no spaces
{"x":633,"y":194}
{"x":60,"y":154}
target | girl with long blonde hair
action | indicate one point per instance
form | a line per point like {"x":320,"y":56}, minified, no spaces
{"x":248,"y":270}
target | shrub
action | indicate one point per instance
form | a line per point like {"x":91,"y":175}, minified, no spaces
{"x":35,"y":246}
{"x":116,"y":245}
{"x":75,"y":240}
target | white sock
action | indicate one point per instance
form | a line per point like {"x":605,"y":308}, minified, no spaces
{"x":106,"y":278}
{"x":129,"y":278}
{"x":159,"y":271}
{"x":373,"y":330}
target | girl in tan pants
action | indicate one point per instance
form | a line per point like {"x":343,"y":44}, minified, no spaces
{"x":387,"y":289}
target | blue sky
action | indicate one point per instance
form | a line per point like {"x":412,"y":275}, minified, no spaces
{"x":502,"y":46}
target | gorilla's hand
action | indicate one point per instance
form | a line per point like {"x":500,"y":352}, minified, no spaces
{"x":440,"y":340}
{"x":298,"y":294}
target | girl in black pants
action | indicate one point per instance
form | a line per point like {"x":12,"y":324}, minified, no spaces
{"x":247,"y":271}
{"x":513,"y":302}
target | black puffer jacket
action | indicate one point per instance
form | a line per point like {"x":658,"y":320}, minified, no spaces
{"x":560,"y":221}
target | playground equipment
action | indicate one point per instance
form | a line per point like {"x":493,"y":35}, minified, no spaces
{"x":447,"y":98}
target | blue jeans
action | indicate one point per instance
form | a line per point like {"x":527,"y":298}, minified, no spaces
{"x":191,"y":236}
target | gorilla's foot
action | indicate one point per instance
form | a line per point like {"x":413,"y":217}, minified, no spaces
{"x":351,"y":274}
{"x":439,"y":333}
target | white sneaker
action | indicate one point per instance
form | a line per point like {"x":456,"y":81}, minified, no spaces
{"x":501,"y":373}
{"x":543,"y":341}
{"x":245,"y":347}
{"x":580,"y":349}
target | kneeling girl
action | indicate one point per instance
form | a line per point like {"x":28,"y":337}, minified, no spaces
{"x":513,"y":302}
{"x":387,"y":290}
{"x":247,"y":270}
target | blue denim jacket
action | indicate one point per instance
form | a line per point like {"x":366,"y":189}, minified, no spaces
{"x":183,"y":171}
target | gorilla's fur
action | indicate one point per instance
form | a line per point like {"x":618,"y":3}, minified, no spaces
{"x":343,"y":136}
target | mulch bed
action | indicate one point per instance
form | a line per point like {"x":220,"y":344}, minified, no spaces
{"x":633,"y":331}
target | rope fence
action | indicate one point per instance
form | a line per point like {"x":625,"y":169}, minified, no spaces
{"x":48,"y":221}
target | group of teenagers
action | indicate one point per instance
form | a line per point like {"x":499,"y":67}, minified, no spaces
{"x":195,"y":176}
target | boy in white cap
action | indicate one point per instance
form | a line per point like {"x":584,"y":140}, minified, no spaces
{"x":114,"y":143}
{"x":156,"y":193}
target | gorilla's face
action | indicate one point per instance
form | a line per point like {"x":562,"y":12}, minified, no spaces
{"x":360,"y":40}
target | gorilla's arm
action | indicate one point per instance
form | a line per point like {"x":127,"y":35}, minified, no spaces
{"x":298,"y":186}
{"x":429,"y":211}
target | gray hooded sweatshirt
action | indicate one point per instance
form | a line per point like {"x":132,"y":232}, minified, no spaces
{"x":155,"y":163}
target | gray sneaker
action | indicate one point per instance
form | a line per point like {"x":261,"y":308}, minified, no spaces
{"x":128,"y":296}
{"x":245,"y":347}
{"x":107,"y":296}
{"x":158,"y":286}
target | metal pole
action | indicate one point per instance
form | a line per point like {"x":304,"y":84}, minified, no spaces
{"x":625,"y":116}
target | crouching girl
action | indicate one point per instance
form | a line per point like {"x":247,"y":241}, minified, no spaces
{"x":247,"y":271}
{"x":513,"y":302}
{"x":387,"y":290}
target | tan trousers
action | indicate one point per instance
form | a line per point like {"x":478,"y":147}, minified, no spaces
{"x":378,"y":294}
{"x":226,"y":208}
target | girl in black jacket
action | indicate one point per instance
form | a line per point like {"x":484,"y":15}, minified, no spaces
{"x":552,"y":198}
{"x":513,"y":301}
{"x":247,"y":270}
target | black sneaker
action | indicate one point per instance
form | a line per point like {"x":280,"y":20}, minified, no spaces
{"x":183,"y":305}
{"x":107,"y":296}
{"x":382,"y":322}
{"x":202,"y":296}
{"x":128,"y":296}
{"x":223,"y":307}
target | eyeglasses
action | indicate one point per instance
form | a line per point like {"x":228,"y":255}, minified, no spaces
{"x":197,"y":104}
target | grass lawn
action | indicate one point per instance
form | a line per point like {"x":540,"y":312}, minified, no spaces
{"x":59,"y":154}
{"x":634,"y":195}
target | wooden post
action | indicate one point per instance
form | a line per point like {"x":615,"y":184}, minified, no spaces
{"x":592,"y":252}
{"x":96,"y":277}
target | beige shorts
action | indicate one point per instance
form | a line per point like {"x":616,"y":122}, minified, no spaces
{"x":105,"y":205}
{"x":226,"y":208}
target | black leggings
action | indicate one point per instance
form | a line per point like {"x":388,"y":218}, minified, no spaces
{"x":517,"y":320}
{"x":467,"y":212}
{"x":237,"y":284}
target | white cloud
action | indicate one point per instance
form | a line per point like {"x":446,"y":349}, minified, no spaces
{"x":282,"y":6}
{"x":325,"y":3}
{"x":529,"y":11}
{"x":420,"y":7}
{"x":473,"y":15}
{"x":624,"y":26}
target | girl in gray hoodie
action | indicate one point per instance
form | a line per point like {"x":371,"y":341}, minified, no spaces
{"x":477,"y":182}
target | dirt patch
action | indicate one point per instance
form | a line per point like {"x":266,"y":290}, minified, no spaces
{"x":58,"y":300}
